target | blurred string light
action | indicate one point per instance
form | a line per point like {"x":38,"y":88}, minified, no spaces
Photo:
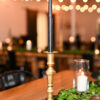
{"x":64,"y":7}
{"x":85,"y":0}
{"x":60,"y":0}
{"x":96,"y":51}
{"x":93,"y":39}
{"x":70,"y":7}
{"x":97,"y":1}
{"x":78,"y":7}
{"x":82,"y":9}
{"x":85,"y":7}
{"x":38,"y":0}
{"x":57,"y":7}
{"x":90,"y":10}
{"x":94,"y":6}
{"x":8,"y":40}
{"x":26,"y":0}
{"x":73,"y":1}
{"x":71,"y":39}
{"x":98,"y":10}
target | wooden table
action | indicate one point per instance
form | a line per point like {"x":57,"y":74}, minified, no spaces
{"x":36,"y":90}
{"x":31,"y":60}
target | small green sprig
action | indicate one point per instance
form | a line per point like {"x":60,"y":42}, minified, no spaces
{"x":73,"y":94}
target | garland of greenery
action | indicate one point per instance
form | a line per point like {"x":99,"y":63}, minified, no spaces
{"x":73,"y":94}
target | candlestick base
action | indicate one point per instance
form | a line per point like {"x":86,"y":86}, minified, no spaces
{"x":50,"y":73}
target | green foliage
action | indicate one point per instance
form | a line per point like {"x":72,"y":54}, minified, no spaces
{"x":75,"y":52}
{"x":73,"y":94}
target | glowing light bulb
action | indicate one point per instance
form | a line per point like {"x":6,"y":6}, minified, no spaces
{"x":96,"y":51}
{"x":90,"y":10}
{"x":71,"y":7}
{"x":78,"y":7}
{"x":63,"y":7}
{"x":98,"y":10}
{"x":8,"y":40}
{"x":98,"y":20}
{"x":85,"y":0}
{"x":60,"y":0}
{"x":9,"y":48}
{"x":73,"y":1}
{"x":26,"y":0}
{"x":57,"y":7}
{"x":71,"y":39}
{"x":93,"y":39}
{"x":85,"y":7}
{"x":97,"y":1}
{"x":53,"y":6}
{"x":94,"y":6}
{"x":66,"y":8}
{"x":38,"y":0}
{"x":82,"y":9}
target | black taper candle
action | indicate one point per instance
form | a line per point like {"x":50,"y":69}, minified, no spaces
{"x":50,"y":35}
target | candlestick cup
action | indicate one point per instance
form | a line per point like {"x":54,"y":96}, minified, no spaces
{"x":81,"y":75}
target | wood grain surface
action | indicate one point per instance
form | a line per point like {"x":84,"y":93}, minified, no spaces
{"x":37,"y":90}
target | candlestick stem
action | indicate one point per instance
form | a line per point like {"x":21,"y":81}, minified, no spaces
{"x":50,"y":35}
{"x":50,"y":72}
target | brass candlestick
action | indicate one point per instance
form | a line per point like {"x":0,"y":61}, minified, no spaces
{"x":50,"y":72}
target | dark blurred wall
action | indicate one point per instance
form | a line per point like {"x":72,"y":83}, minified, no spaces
{"x":31,"y":26}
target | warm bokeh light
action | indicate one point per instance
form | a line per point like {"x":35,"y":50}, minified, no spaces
{"x":9,"y":48}
{"x":78,"y":7}
{"x":98,"y":10}
{"x":53,"y":6}
{"x":93,"y":39}
{"x":1,"y":46}
{"x":82,"y":9}
{"x":26,"y":0}
{"x":38,"y":0}
{"x":85,"y":0}
{"x":96,"y":51}
{"x":39,"y":50}
{"x":57,"y":7}
{"x":64,"y":7}
{"x":94,"y":6}
{"x":28,"y":42}
{"x":90,"y":10}
{"x":60,"y":0}
{"x":98,"y":20}
{"x":71,"y":7}
{"x":85,"y":7}
{"x":97,"y":1}
{"x":72,"y":39}
{"x":8,"y":40}
{"x":73,"y":1}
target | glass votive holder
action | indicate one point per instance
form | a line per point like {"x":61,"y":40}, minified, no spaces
{"x":81,"y":75}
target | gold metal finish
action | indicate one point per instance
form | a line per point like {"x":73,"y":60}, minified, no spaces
{"x":50,"y":72}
